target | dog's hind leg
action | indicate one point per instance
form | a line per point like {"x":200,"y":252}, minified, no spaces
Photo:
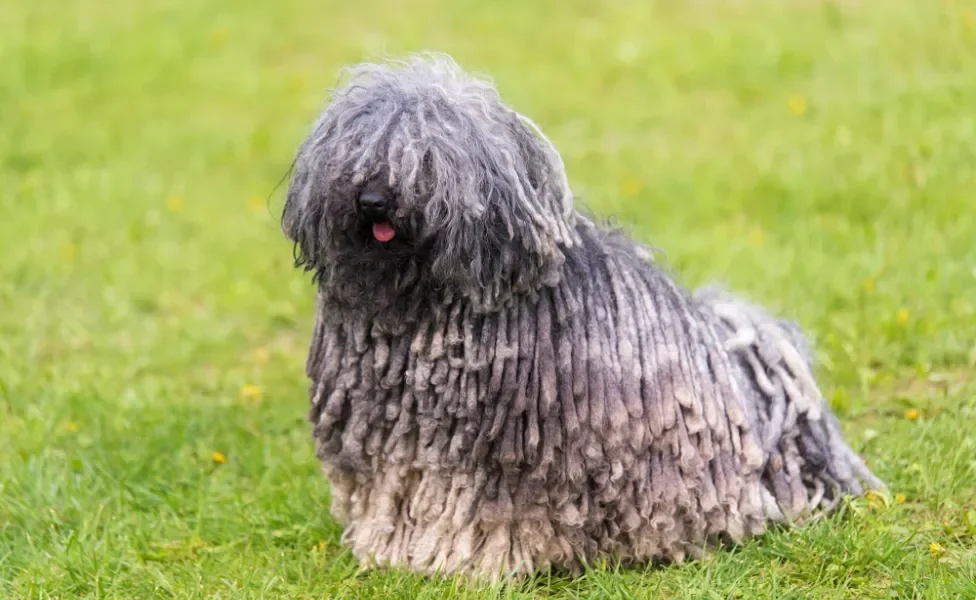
{"x":807,"y":465}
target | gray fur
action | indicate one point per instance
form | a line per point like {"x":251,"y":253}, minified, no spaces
{"x":517,"y":387}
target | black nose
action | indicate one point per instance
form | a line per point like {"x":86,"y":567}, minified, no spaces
{"x":373,"y":202}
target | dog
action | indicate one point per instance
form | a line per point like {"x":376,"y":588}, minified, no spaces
{"x":499,"y":384}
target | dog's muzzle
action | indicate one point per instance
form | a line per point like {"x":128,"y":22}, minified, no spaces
{"x":377,"y":207}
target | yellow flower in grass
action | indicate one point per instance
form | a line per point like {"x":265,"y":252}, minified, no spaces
{"x":72,"y":426}
{"x":174,"y":203}
{"x":869,"y":284}
{"x":903,"y":316}
{"x":218,"y":457}
{"x":798,"y":105}
{"x":251,"y":392}
{"x":936,"y":549}
{"x":913,"y":414}
{"x":900,"y":498}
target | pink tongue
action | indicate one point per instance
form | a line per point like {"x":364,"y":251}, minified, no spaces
{"x":383,"y":232}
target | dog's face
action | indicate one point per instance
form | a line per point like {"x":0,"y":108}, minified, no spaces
{"x":416,"y":180}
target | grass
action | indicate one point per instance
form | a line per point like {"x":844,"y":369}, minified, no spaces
{"x":819,"y":156}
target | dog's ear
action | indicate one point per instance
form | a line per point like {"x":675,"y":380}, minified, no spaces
{"x":515,"y":236}
{"x":301,"y":218}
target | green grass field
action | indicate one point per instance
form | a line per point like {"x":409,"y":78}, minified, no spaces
{"x":817,"y":156}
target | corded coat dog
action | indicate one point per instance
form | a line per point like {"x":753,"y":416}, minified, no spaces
{"x":500,"y":385}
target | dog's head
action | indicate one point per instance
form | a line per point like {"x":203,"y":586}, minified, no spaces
{"x":416,"y":180}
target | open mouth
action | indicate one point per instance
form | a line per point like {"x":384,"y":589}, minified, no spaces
{"x":383,"y":231}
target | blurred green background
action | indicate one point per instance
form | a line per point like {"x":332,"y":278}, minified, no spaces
{"x":817,"y":156}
